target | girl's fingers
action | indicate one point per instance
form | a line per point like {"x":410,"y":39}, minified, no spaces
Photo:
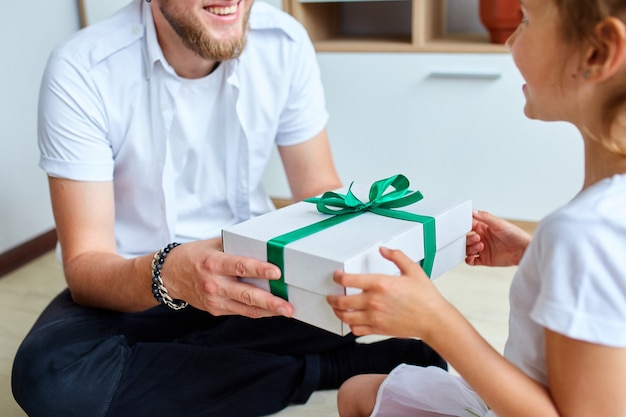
{"x":472,"y":238}
{"x":474,"y":249}
{"x":345,"y":303}
{"x":403,"y":262}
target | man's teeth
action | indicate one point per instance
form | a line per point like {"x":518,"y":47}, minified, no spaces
{"x":223,"y":10}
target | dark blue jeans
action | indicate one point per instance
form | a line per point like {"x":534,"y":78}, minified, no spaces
{"x":83,"y":362}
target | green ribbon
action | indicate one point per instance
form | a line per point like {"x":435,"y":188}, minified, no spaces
{"x":345,"y":207}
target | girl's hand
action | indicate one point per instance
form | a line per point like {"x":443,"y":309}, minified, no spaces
{"x":494,"y":241}
{"x":403,"y":306}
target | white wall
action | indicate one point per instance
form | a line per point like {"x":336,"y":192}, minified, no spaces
{"x":458,"y":135}
{"x":28,"y":32}
{"x":96,"y":10}
{"x":452,"y":122}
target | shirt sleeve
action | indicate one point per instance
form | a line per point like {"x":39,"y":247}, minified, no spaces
{"x":71,"y":123}
{"x":305,"y":114}
{"x":583,"y":284}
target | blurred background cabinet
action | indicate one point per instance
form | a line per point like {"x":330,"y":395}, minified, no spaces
{"x":393,"y":25}
{"x":415,"y":87}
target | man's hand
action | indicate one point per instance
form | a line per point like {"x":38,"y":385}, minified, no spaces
{"x":207,"y":278}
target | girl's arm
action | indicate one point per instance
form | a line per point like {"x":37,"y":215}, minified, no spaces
{"x":585,"y":380}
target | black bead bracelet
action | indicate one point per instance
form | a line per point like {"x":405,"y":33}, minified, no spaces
{"x":158,"y":289}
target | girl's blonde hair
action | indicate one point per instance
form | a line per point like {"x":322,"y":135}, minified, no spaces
{"x":581,"y":16}
{"x":579,"y":19}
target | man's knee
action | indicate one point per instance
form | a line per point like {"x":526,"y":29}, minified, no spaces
{"x":53,"y":379}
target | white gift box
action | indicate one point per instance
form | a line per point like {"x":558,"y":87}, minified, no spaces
{"x":351,"y":246}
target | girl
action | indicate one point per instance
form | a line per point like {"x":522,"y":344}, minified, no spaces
{"x":566,"y":352}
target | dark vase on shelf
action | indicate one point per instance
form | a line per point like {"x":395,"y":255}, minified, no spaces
{"x":500,"y":18}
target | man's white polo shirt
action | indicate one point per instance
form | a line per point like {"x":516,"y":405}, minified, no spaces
{"x":107,"y":105}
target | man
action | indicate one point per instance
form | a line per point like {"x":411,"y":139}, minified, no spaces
{"x":155,"y":128}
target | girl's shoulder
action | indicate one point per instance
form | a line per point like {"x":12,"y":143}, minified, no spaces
{"x":591,"y":224}
{"x":601,"y":205}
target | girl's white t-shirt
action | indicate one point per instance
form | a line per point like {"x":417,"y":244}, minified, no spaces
{"x":572,"y":278}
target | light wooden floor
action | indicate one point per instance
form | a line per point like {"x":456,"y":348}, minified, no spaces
{"x":480,"y":293}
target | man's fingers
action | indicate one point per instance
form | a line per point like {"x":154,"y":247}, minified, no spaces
{"x":239,"y":266}
{"x":232,"y":307}
{"x":256,"y":302}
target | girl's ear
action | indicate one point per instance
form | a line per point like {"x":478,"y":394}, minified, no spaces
{"x":606,"y":51}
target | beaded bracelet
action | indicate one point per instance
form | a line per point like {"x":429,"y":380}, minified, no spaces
{"x":158,"y":289}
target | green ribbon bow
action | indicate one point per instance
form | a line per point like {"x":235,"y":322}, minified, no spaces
{"x":348,"y":206}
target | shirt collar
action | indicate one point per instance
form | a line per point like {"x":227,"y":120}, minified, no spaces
{"x":154,"y":53}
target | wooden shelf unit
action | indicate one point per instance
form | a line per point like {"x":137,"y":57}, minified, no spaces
{"x":383,"y":26}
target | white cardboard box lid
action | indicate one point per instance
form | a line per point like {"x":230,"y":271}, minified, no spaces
{"x":352,"y":245}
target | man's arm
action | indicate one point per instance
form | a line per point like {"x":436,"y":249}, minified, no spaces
{"x":96,"y":275}
{"x":309,"y":167}
{"x":198,"y":272}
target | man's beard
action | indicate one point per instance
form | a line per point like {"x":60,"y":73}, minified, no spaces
{"x":191,"y":32}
